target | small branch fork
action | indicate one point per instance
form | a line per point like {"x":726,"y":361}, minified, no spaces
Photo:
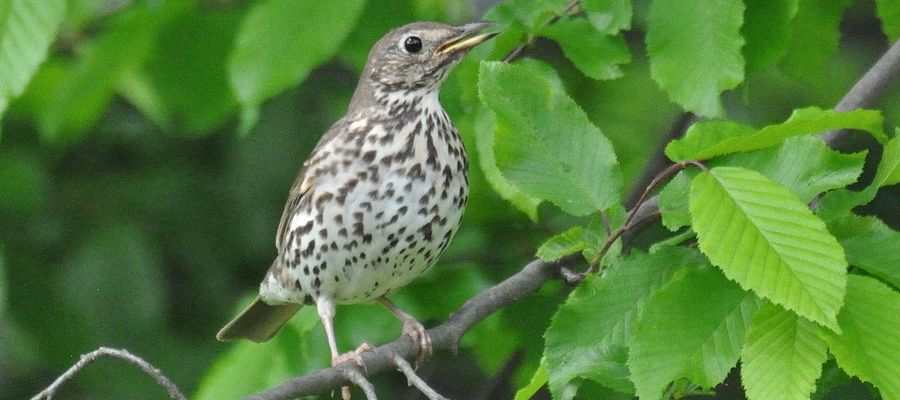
{"x":88,"y":358}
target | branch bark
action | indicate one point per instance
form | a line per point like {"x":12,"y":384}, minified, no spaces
{"x":444,"y":337}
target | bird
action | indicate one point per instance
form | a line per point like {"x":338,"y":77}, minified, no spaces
{"x":379,"y":198}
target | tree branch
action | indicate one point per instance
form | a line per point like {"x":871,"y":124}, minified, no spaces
{"x":444,"y":337}
{"x":122,"y":354}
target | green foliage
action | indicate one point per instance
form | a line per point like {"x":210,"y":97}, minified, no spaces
{"x":280,"y":42}
{"x":27,"y":27}
{"x":135,"y":210}
{"x":763,"y":237}
{"x":707,"y":140}
{"x":696,"y":55}
{"x":697,"y":321}
{"x":574,"y":168}
{"x":868,"y":347}
{"x":783,"y":355}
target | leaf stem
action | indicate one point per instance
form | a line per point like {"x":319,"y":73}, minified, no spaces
{"x":517,"y":52}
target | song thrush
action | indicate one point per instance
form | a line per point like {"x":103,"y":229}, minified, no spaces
{"x":380,"y":196}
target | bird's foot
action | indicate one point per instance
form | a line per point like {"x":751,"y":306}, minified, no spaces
{"x":353,"y":355}
{"x":416,"y":331}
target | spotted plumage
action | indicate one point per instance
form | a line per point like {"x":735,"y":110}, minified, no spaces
{"x":381,"y":195}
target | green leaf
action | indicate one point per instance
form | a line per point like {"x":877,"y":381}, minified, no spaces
{"x":27,"y":28}
{"x":693,"y":328}
{"x":709,"y":139}
{"x":571,"y":241}
{"x":783,"y":355}
{"x":189,"y":74}
{"x":673,"y":200}
{"x":249,"y":367}
{"x":763,"y":237}
{"x":486,"y":124}
{"x":538,"y":380}
{"x":695,"y":51}
{"x":767,"y":31}
{"x":71,"y":97}
{"x":804,"y":165}
{"x":594,"y":54}
{"x":608,"y":16}
{"x":815,"y":31}
{"x":280,"y":42}
{"x":868,"y":347}
{"x":587,"y":337}
{"x":889,"y":13}
{"x":870,"y":244}
{"x":837,"y":203}
{"x":545,"y":144}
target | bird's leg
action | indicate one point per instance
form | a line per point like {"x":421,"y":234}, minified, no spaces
{"x":411,"y":328}
{"x":325,"y":307}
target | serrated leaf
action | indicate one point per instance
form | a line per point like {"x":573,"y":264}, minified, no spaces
{"x":571,"y":241}
{"x":673,"y":200}
{"x":27,"y":28}
{"x":545,"y":144}
{"x":839,"y":202}
{"x":280,"y":42}
{"x":783,"y":355}
{"x":870,"y":244}
{"x":814,"y":35}
{"x":486,"y":124}
{"x":595,"y":54}
{"x":709,"y":139}
{"x":889,"y":13}
{"x":608,"y":16}
{"x":248,"y":367}
{"x":767,"y":31}
{"x":692,"y":328}
{"x":763,"y":237}
{"x":868,"y":347}
{"x":695,"y":51}
{"x":587,"y":337}
{"x":805,"y":165}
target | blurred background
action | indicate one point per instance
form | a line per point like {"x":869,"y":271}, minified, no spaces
{"x":135,"y":214}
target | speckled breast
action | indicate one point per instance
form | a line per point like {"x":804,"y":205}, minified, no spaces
{"x":384,"y":202}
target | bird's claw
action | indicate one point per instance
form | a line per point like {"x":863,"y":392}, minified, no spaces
{"x":352,"y":356}
{"x":417,"y":333}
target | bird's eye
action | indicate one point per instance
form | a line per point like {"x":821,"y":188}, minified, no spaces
{"x":412,"y":44}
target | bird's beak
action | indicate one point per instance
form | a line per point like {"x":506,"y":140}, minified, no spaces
{"x":466,"y":39}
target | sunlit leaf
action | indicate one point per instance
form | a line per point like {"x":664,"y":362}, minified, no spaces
{"x":783,"y":355}
{"x":805,"y":165}
{"x":692,"y":328}
{"x":27,"y":28}
{"x":709,"y":139}
{"x":545,"y":144}
{"x":484,"y":135}
{"x":695,"y":51}
{"x":571,"y":241}
{"x":763,"y":237}
{"x":608,"y":16}
{"x":837,"y":203}
{"x":280,"y":42}
{"x":673,"y":200}
{"x":868,"y":347}
{"x":538,"y":380}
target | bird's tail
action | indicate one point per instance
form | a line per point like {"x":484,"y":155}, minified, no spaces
{"x":258,"y":322}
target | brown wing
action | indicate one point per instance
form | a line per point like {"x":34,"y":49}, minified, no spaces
{"x":303,"y":183}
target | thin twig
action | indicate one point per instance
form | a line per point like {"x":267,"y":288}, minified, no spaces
{"x":414,"y":379}
{"x":658,"y":161}
{"x":517,"y":52}
{"x":356,"y":377}
{"x":122,"y":354}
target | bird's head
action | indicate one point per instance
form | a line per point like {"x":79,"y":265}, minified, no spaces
{"x":418,"y":56}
